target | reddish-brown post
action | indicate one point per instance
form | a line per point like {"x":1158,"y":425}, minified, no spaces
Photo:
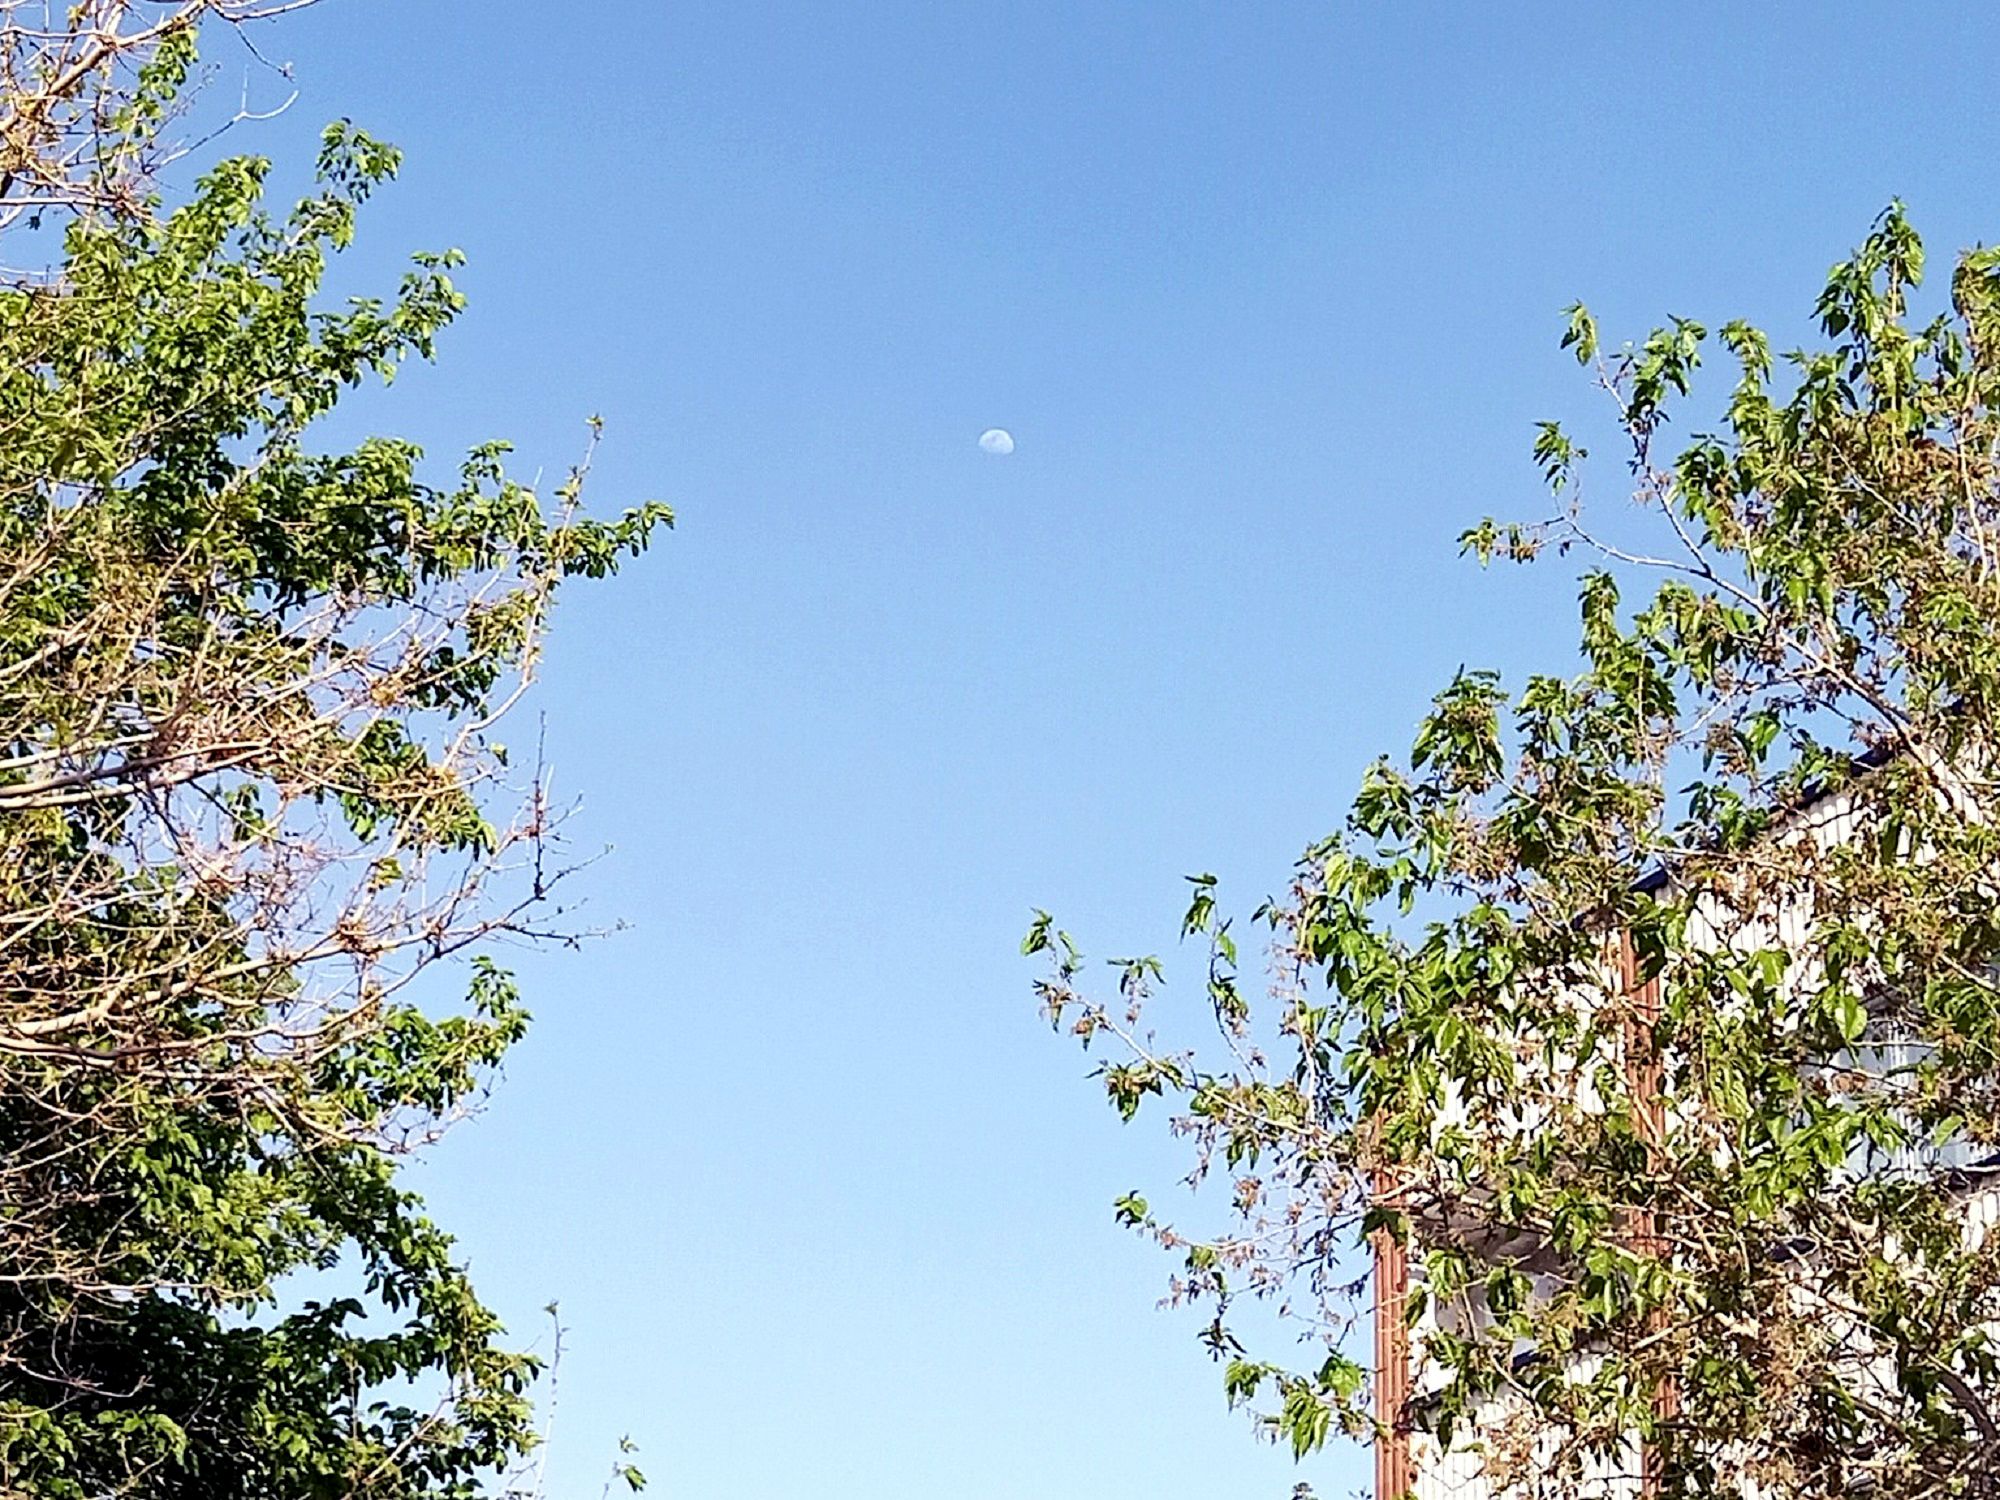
{"x":1392,"y":1359}
{"x":1646,"y":1079}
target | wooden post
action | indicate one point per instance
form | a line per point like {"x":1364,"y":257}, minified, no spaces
{"x":1646,"y":1080}
{"x":1392,"y":1359}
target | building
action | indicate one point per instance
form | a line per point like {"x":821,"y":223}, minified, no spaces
{"x":1411,"y":1458}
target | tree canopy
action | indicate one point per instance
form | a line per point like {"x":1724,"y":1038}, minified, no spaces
{"x":1769,"y":801}
{"x":257,"y":827}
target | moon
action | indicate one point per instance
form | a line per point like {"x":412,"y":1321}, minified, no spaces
{"x":996,"y":440}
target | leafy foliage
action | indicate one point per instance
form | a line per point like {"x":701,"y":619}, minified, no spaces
{"x":1654,"y":1006}
{"x":249,"y":792}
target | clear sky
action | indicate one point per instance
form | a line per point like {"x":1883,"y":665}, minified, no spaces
{"x":1268,"y":296}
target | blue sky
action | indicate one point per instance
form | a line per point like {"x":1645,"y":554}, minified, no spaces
{"x":1268,"y":296}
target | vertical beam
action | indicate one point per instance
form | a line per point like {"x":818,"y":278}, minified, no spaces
{"x":1392,"y":1360}
{"x":1646,"y":1079}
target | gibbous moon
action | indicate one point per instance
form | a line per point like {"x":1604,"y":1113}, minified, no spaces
{"x":996,"y":440}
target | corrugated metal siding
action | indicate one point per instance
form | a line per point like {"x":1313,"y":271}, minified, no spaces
{"x":1982,"y":1212}
{"x":1456,"y":1475}
{"x":1459,"y":1472}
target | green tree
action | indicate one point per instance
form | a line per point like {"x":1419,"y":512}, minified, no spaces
{"x":253,"y":814}
{"x":1654,"y":1006}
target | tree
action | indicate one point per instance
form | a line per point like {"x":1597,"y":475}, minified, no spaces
{"x":1655,"y":1005}
{"x":253,"y":815}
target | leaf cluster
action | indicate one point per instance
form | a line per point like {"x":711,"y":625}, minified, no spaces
{"x":1653,"y":1006}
